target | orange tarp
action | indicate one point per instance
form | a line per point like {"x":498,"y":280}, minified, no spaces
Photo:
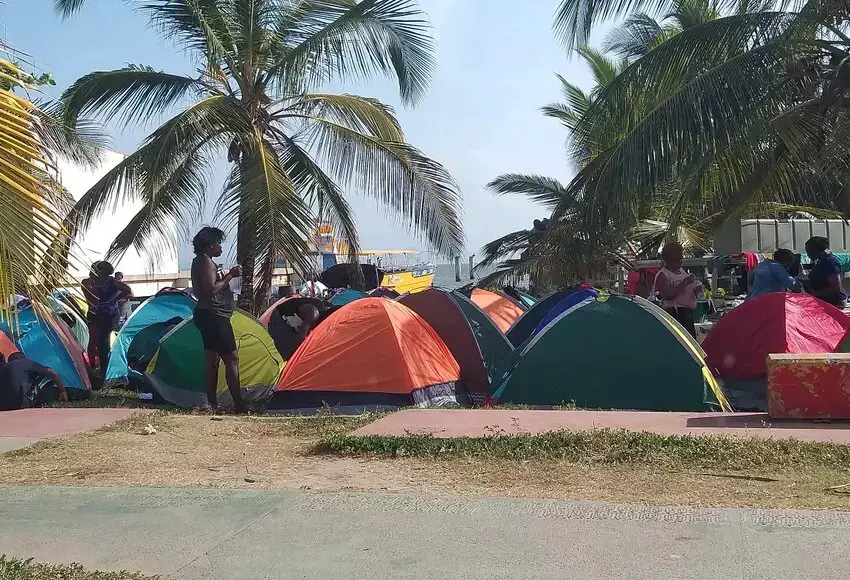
{"x":372,"y":345}
{"x":7,"y":347}
{"x":502,"y":310}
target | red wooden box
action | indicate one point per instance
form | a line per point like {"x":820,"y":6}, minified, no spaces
{"x":808,"y":386}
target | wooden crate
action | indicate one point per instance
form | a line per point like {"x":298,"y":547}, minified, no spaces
{"x":808,"y":386}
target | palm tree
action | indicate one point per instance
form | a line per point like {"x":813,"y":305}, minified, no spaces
{"x":293,"y":150}
{"x":31,"y":137}
{"x":748,"y":108}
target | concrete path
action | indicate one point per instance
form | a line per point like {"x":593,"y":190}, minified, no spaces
{"x":482,"y":422}
{"x":208,"y":534}
{"x":22,"y":428}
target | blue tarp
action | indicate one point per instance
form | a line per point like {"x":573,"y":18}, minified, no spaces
{"x":155,"y":310}
{"x":39,"y":341}
{"x":346,"y":296}
{"x":564,"y":305}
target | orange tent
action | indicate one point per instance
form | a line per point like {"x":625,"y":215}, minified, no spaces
{"x":502,"y":310}
{"x":372,"y":352}
{"x":7,"y":346}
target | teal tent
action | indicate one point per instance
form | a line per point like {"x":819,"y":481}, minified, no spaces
{"x":139,"y":338}
{"x":612,"y":352}
{"x":347,"y":296}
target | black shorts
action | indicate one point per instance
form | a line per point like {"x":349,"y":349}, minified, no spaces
{"x":216,"y":332}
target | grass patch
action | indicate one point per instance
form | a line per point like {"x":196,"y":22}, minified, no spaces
{"x":17,"y":569}
{"x":604,"y":447}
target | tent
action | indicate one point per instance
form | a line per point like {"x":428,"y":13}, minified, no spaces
{"x":473,"y":339}
{"x":501,"y":309}
{"x":71,"y":316}
{"x":370,"y":353}
{"x":526,"y":300}
{"x":176,"y":371}
{"x":347,"y":296}
{"x":565,"y":304}
{"x":139,"y":338}
{"x":738,"y":345}
{"x":284,"y":336}
{"x":523,"y":328}
{"x":7,"y":345}
{"x":47,"y":340}
{"x":614,"y":353}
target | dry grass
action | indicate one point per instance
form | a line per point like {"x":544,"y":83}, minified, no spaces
{"x":279,"y":453}
{"x":16,"y":569}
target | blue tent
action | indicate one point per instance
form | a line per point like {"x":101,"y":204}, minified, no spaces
{"x":49,"y":341}
{"x":139,"y":338}
{"x":565,"y":304}
{"x":347,"y":296}
{"x":524,"y":327}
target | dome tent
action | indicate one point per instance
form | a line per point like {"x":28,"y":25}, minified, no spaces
{"x":47,"y":340}
{"x":176,"y":371}
{"x":139,"y":338}
{"x":503,"y":310}
{"x":370,"y":353}
{"x":614,"y":353}
{"x":565,"y":304}
{"x":523,"y":328}
{"x":473,"y":339}
{"x":738,"y":345}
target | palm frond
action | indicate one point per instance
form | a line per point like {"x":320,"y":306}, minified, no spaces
{"x":362,"y":114}
{"x":260,"y":198}
{"x":130,"y":94}
{"x":505,"y":248}
{"x":414,"y":187}
{"x":547,"y":191}
{"x":639,"y":34}
{"x":341,"y":39}
{"x":319,"y":191}
{"x":82,"y":144}
{"x":31,"y":223}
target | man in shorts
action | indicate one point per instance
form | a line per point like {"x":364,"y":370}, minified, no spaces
{"x":211,"y":286}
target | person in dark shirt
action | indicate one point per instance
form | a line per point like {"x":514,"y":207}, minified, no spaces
{"x":293,"y":321}
{"x":825,"y":275}
{"x":19,"y":383}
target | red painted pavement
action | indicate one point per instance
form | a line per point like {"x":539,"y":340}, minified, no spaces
{"x":42,"y":423}
{"x":479,"y":423}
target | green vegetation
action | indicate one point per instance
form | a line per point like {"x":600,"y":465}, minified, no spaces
{"x":702,"y":111}
{"x":295,"y":152}
{"x":604,"y":447}
{"x":16,"y":569}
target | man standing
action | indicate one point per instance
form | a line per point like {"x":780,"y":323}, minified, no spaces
{"x":211,"y":286}
{"x":19,"y":380}
{"x":774,"y":275}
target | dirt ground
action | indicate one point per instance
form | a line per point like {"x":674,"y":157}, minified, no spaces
{"x":279,"y":453}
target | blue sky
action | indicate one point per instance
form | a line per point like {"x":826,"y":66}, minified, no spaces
{"x":496,"y":68}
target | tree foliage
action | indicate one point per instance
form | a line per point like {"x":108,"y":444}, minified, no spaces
{"x":295,"y":152}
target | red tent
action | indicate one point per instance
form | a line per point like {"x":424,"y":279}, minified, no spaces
{"x":776,"y":323}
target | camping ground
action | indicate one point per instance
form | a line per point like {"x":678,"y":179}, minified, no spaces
{"x":318,"y":453}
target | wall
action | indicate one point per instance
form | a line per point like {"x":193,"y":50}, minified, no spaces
{"x":93,"y":244}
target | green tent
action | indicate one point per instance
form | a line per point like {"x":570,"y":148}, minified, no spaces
{"x":176,"y":372}
{"x":615,"y":352}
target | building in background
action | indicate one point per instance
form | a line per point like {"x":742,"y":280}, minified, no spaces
{"x":145,"y":274}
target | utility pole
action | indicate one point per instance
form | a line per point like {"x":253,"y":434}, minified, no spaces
{"x":457,"y":268}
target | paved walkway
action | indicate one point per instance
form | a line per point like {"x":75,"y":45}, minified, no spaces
{"x":482,"y":422}
{"x":207,"y":534}
{"x":22,"y":428}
